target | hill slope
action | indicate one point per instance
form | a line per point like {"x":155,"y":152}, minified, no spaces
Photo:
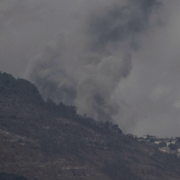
{"x":41,"y":140}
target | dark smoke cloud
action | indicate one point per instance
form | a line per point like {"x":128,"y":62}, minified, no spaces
{"x":122,"y":23}
{"x":114,"y":59}
{"x":89,"y":77}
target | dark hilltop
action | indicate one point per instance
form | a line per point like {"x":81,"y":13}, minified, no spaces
{"x":41,"y":140}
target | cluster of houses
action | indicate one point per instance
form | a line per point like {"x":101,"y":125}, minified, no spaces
{"x":167,"y":145}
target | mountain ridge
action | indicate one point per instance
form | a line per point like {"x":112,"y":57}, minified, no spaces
{"x":43,"y":140}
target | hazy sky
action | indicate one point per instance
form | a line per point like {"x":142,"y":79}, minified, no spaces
{"x":113,"y":59}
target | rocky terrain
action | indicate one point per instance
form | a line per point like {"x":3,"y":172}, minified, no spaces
{"x":42,"y":141}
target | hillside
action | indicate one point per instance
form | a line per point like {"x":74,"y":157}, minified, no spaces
{"x":42,"y":141}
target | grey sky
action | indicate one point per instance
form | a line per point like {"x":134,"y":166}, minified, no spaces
{"x":113,"y":59}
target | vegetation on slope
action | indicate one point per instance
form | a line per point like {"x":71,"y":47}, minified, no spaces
{"x":41,"y":140}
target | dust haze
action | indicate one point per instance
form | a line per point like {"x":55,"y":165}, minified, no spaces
{"x":114,"y":60}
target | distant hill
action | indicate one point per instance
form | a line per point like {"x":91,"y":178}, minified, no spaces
{"x":46,"y":141}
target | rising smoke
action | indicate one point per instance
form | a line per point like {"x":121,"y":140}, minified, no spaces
{"x":85,"y":67}
{"x":114,"y":59}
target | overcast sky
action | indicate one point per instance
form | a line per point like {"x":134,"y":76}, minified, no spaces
{"x":113,"y":59}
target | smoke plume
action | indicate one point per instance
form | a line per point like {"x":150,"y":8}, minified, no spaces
{"x":86,"y":65}
{"x":114,"y":59}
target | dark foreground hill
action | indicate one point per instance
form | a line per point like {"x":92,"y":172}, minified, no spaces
{"x":44,"y":141}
